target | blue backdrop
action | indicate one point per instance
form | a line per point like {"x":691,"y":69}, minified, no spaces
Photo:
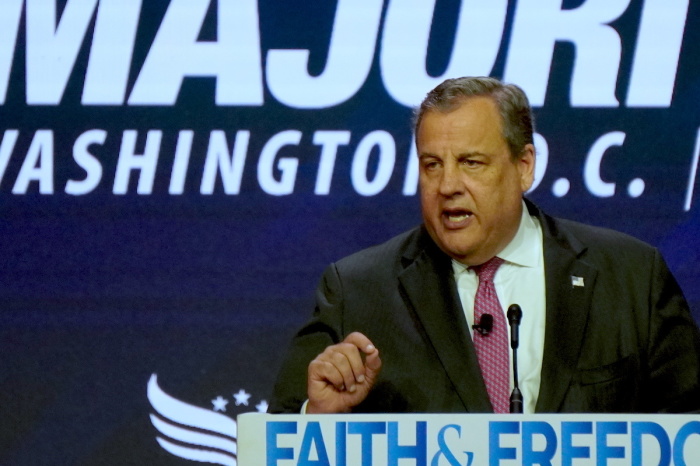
{"x":175,"y":175}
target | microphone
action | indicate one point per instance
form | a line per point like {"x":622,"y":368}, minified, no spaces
{"x":515,"y":314}
{"x":485,"y":324}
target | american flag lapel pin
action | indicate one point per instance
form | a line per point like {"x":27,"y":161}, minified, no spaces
{"x":576,"y":281}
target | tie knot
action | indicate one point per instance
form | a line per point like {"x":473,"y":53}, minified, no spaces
{"x":487,"y":270}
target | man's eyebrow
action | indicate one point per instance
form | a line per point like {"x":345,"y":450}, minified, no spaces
{"x":459,"y":155}
{"x":475,"y":153}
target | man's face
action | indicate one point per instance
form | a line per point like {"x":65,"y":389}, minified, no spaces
{"x":470,"y":186}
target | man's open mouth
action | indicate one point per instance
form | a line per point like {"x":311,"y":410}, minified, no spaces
{"x":456,"y":216}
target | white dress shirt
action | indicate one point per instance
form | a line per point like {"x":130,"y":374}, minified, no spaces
{"x":519,"y":280}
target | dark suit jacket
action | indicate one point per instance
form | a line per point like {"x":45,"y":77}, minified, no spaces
{"x":624,"y":342}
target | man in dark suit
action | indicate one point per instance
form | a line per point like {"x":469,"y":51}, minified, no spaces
{"x":605,"y":326}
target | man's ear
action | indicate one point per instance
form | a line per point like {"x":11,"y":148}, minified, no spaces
{"x":526,"y":165}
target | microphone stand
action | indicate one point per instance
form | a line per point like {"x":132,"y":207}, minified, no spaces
{"x":514,"y":315}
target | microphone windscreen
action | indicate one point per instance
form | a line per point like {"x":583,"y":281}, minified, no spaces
{"x":514,"y":314}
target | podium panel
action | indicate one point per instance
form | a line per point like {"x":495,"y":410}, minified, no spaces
{"x":468,"y":439}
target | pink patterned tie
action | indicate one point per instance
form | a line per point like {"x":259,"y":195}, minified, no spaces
{"x":492,"y":348}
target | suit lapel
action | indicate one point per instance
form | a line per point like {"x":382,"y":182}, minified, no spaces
{"x":429,"y":287}
{"x":569,"y":283}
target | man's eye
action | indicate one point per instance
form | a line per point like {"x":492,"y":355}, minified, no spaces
{"x":471,"y":162}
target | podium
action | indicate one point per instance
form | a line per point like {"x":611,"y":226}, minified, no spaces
{"x":468,"y":439}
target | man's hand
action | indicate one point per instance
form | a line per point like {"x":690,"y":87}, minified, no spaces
{"x":338,"y":379}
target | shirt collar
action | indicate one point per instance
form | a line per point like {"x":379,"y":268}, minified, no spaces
{"x":525,"y":249}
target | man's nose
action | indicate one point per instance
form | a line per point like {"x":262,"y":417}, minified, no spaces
{"x":451,"y":182}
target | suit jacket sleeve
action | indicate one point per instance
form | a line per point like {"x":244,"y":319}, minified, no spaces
{"x":324,"y":329}
{"x":640,"y":347}
{"x":674,"y":347}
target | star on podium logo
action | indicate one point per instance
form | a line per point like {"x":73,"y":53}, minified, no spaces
{"x":241,"y":397}
{"x":219,"y":404}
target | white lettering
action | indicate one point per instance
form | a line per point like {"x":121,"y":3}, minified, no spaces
{"x":387,"y":157}
{"x":350,"y":56}
{"x":9,"y":140}
{"x":112,"y":48}
{"x":405,"y":45}
{"x":87,"y":162}
{"x":229,"y":165}
{"x":287,"y":165}
{"x":692,"y":176}
{"x":329,"y":142}
{"x":10,"y":11}
{"x":38,"y":165}
{"x":410,"y":183}
{"x":539,"y":24}
{"x":234,"y":59}
{"x":51,"y":49}
{"x":656,"y":56}
{"x":145,"y":163}
{"x":181,"y":162}
{"x":591,"y":170}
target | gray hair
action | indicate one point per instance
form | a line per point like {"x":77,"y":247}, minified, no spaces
{"x":512,"y":103}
